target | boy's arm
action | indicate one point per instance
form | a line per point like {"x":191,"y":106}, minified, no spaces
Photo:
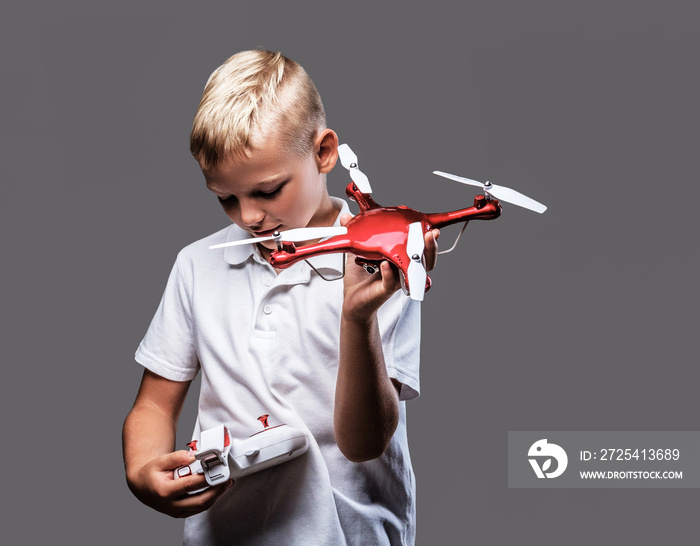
{"x":148,"y":442}
{"x":366,"y":409}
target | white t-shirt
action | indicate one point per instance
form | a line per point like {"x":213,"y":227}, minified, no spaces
{"x":268,"y":344}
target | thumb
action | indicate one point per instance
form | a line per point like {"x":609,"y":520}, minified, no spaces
{"x":176,"y":459}
{"x":345,"y":218}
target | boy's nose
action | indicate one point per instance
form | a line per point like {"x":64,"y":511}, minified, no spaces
{"x":251,"y":215}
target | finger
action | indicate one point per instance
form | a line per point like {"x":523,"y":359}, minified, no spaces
{"x":390,"y":277}
{"x":198,"y":502}
{"x":431,"y":237}
{"x":207,"y":498}
{"x":176,"y":459}
{"x":431,"y":248}
{"x":183,"y":486}
{"x":185,"y":483}
{"x":345,"y":218}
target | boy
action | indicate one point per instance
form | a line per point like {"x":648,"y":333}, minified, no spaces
{"x":331,"y":358}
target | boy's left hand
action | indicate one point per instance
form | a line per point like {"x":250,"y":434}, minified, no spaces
{"x":364,"y":294}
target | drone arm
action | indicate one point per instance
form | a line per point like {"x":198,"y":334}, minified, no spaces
{"x":363,"y":200}
{"x":483,"y":209}
{"x":282,"y":259}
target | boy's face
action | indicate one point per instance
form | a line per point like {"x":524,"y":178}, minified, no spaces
{"x":276,"y":190}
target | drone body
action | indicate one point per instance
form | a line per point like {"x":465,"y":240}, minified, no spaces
{"x":396,"y":234}
{"x":379,"y":233}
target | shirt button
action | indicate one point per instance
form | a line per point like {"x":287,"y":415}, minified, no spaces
{"x":267,"y":309}
{"x":268,"y":282}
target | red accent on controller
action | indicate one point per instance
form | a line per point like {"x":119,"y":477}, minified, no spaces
{"x":193,"y":445}
{"x":263,"y":420}
{"x":267,"y":429}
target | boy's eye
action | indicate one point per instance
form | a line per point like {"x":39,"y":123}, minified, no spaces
{"x":271,"y":194}
{"x":228,"y":200}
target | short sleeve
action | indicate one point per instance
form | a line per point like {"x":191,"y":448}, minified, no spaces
{"x":168,"y":349}
{"x":399,"y":324}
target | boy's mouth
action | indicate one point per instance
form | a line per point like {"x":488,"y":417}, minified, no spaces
{"x":266,"y":233}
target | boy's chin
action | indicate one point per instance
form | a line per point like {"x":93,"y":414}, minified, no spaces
{"x":270,"y":245}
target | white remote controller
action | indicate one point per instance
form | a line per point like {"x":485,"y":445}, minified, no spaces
{"x":221,"y":457}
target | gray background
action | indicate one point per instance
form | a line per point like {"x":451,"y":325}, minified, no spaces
{"x":581,"y":319}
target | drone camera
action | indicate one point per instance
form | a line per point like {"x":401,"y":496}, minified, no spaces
{"x":370,"y":269}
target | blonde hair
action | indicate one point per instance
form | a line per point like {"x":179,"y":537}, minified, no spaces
{"x":250,"y":96}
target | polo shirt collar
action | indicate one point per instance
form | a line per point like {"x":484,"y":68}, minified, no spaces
{"x":326,"y":264}
{"x":236,"y":255}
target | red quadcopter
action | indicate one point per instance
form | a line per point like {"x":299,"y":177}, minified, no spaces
{"x":379,"y":233}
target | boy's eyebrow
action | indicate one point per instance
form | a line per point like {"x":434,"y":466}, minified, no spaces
{"x":272,"y":180}
{"x":276,"y":179}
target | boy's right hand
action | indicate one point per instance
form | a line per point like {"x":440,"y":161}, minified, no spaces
{"x":154,"y":485}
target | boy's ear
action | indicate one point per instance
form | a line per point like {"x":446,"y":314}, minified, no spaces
{"x":326,"y":150}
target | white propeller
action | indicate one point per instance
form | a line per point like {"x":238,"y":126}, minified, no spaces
{"x":293,"y":236}
{"x":499,"y":192}
{"x":416,"y":270}
{"x":349,"y":160}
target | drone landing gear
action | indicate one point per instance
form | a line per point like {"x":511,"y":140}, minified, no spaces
{"x":454,"y":245}
{"x":324,"y":277}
